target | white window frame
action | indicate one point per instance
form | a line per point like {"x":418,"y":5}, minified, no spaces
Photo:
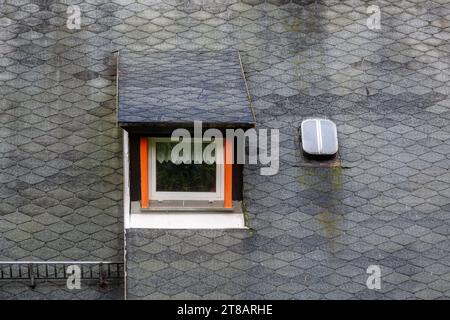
{"x":172,"y":195}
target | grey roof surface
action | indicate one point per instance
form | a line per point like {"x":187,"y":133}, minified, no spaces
{"x":57,"y":290}
{"x":315,"y":230}
{"x":182,"y":86}
{"x":60,"y":148}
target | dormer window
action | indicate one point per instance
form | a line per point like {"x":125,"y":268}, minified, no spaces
{"x":158,"y":93}
{"x":184,"y":181}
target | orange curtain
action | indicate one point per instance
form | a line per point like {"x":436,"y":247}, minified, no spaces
{"x":144,"y":172}
{"x":228,"y":168}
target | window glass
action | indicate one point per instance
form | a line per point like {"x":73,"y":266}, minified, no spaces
{"x":171,"y":177}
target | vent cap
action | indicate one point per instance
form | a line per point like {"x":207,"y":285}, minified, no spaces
{"x":319,"y":137}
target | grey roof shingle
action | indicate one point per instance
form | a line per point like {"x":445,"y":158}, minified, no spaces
{"x":178,"y":87}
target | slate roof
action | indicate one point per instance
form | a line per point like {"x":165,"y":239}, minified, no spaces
{"x":178,"y":87}
{"x":315,"y":230}
{"x":60,"y":148}
{"x":57,"y":290}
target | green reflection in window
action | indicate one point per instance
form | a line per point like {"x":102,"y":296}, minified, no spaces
{"x":192,"y":177}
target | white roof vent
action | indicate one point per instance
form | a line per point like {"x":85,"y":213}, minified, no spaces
{"x":319,"y":137}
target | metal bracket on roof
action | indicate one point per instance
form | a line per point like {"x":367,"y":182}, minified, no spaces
{"x":57,"y":270}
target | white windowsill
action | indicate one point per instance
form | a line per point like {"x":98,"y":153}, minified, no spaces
{"x":185,"y":219}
